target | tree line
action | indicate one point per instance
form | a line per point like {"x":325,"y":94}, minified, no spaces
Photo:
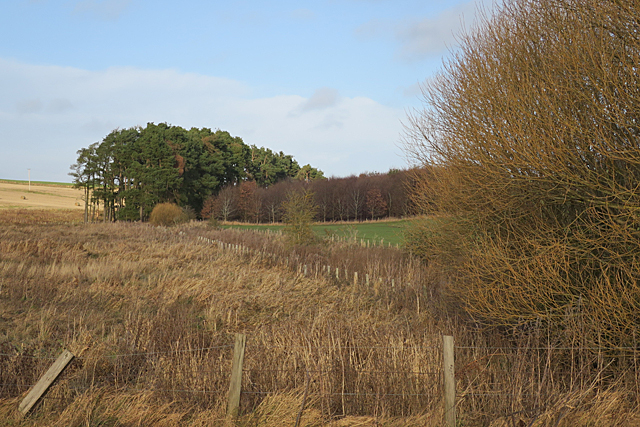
{"x":355,"y":198}
{"x":132,"y":170}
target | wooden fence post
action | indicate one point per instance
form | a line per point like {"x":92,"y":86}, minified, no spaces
{"x":449,"y":382}
{"x":45,"y":382}
{"x":235,"y":384}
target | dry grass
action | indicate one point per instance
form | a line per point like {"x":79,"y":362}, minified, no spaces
{"x":152,"y":312}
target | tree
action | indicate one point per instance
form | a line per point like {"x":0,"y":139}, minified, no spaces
{"x":134,"y":169}
{"x":532,"y":136}
{"x":376,"y":205}
{"x":82,"y":172}
{"x":308,"y":174}
{"x":249,"y":202}
{"x":299,"y":212}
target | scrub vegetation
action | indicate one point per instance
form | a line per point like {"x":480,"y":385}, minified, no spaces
{"x":151,"y":313}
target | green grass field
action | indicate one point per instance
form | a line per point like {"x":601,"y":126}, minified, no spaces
{"x":16,"y":181}
{"x":381,"y":231}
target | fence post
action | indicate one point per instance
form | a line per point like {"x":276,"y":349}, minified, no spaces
{"x":236,"y":375}
{"x":449,"y":382}
{"x":45,"y":382}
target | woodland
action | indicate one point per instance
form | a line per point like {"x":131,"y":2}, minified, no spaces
{"x":211,"y":174}
{"x":132,"y":170}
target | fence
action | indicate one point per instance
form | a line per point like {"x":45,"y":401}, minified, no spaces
{"x":344,"y":373}
{"x":500,"y":381}
{"x":340,"y":390}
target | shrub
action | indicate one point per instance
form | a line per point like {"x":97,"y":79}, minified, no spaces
{"x":299,"y":211}
{"x":167,"y":214}
{"x":531,"y":133}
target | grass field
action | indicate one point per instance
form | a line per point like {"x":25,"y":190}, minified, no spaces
{"x":375,"y":232}
{"x":151,"y":313}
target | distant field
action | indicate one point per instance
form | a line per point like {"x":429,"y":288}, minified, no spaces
{"x":47,"y":183}
{"x":381,"y":231}
{"x":47,"y":195}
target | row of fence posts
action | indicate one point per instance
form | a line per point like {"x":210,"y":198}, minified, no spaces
{"x":365,"y":243}
{"x":241,"y":249}
{"x":240,"y":343}
{"x":235,"y":382}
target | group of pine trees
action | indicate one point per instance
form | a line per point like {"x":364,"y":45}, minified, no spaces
{"x":134,"y":169}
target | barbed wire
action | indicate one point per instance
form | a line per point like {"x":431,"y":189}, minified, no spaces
{"x":191,"y":350}
{"x":349,"y":347}
{"x":547,"y":348}
{"x":27,"y":356}
{"x":318,"y":371}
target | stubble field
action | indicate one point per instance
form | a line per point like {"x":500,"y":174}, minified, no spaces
{"x":15,"y":194}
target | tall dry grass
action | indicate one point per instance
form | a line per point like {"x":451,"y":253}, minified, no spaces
{"x":151,"y":313}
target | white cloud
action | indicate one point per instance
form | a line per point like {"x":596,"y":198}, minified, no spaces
{"x":59,"y":105}
{"x":321,"y":99}
{"x":50,"y":112}
{"x":108,"y":10}
{"x":430,"y":36}
{"x":412,"y":91}
{"x":29,"y":106}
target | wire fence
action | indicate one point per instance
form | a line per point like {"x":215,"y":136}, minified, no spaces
{"x":347,"y":377}
{"x":515,"y":378}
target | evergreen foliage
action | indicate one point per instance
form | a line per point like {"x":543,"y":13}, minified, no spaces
{"x":132,"y":170}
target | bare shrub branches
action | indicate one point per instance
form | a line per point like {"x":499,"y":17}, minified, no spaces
{"x":532,"y":132}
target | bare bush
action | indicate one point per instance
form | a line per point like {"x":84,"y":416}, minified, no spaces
{"x":168,"y":214}
{"x":531,"y":132}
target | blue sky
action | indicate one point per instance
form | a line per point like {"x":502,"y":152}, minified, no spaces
{"x":328,"y":81}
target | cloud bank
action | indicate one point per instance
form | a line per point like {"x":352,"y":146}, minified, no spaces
{"x":47,"y":113}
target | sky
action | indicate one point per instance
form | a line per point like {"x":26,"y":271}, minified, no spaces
{"x":328,"y":81}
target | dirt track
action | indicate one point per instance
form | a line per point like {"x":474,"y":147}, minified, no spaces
{"x":17,"y":195}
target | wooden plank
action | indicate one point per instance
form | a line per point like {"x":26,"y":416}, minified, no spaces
{"x":45,"y":382}
{"x":449,"y":382}
{"x":235,"y":384}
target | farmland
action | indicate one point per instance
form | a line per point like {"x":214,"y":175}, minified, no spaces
{"x":40,"y":195}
